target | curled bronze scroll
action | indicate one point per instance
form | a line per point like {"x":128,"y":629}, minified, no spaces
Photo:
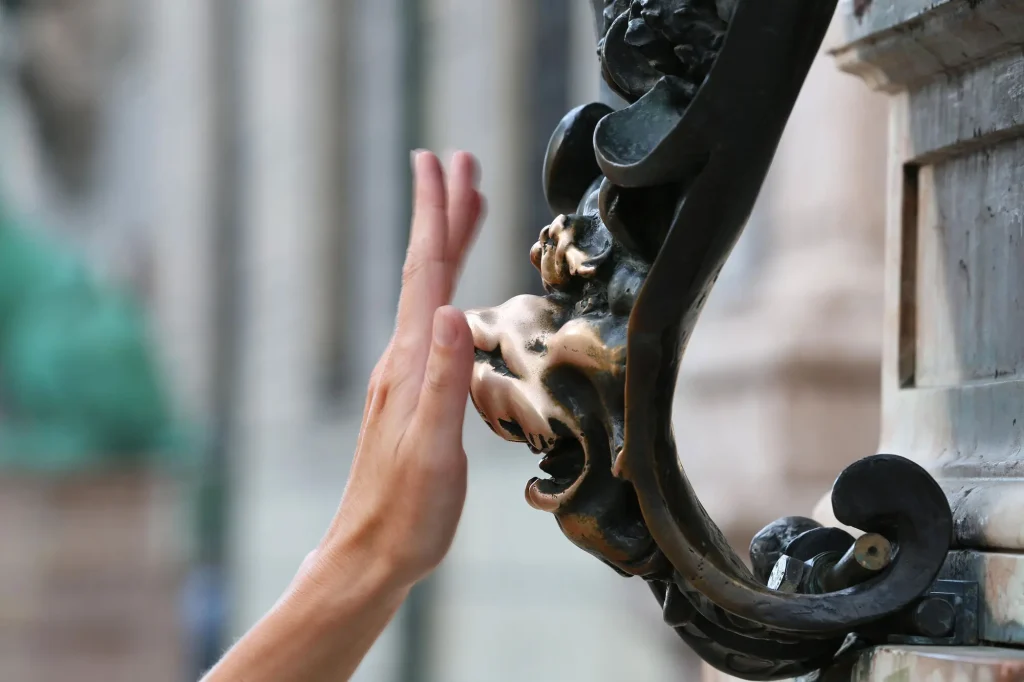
{"x":659,"y":193}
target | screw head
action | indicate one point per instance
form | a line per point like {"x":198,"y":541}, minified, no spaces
{"x":788,"y":574}
{"x":934,"y":617}
{"x":872,"y":551}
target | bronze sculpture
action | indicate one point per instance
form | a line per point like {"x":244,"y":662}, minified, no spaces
{"x":648,"y":202}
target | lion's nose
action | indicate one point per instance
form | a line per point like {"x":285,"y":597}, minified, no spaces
{"x":483,"y":324}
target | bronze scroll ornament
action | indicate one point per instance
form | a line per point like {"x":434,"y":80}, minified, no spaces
{"x":648,"y":203}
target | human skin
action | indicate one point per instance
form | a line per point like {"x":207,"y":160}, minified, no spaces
{"x":407,"y":485}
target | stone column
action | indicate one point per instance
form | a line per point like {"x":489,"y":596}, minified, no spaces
{"x":953,"y":361}
{"x":378,"y":168}
{"x":286,"y":202}
{"x":184,"y":192}
{"x":475,"y":87}
{"x":321,"y":178}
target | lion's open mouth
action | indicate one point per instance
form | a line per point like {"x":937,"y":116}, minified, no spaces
{"x":563,"y":463}
{"x":564,"y":460}
{"x":564,"y":456}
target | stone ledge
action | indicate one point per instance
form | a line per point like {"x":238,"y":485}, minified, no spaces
{"x":966,"y":111}
{"x":863,"y":19}
{"x":939,"y":664}
{"x":897,"y":45}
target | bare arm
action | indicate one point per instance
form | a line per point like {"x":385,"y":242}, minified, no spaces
{"x":322,"y":627}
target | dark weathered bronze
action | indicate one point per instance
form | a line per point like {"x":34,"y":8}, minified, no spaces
{"x":649,"y":201}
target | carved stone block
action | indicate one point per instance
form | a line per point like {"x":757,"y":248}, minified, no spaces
{"x":952,"y":388}
{"x":952,"y":385}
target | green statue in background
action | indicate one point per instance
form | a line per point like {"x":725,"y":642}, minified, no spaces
{"x":79,"y":387}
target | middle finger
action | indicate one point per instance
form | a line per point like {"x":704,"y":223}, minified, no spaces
{"x":464,"y":208}
{"x":425,"y":279}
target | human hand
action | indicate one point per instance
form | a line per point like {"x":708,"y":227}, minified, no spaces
{"x":408,"y":480}
{"x":407,"y":485}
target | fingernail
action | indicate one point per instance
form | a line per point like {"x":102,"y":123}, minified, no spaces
{"x":412,"y":157}
{"x":444,"y":330}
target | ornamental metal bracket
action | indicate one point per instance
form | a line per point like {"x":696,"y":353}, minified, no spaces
{"x":648,"y":203}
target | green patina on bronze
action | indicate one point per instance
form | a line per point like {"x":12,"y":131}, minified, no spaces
{"x":79,"y":384}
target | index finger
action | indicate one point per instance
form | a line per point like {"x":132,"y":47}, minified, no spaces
{"x":424,"y":282}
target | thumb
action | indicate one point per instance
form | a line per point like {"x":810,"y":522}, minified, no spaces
{"x":442,"y":404}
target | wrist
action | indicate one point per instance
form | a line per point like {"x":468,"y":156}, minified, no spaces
{"x":350,"y":568}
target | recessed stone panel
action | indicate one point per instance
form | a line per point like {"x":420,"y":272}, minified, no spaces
{"x":965,"y":291}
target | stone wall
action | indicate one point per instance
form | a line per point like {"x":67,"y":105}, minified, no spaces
{"x":90,"y":580}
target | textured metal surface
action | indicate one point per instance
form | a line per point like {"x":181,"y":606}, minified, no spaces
{"x":649,"y":201}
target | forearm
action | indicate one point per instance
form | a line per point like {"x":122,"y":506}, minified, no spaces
{"x":320,"y":630}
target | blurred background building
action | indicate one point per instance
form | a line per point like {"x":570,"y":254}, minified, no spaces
{"x":242,"y":168}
